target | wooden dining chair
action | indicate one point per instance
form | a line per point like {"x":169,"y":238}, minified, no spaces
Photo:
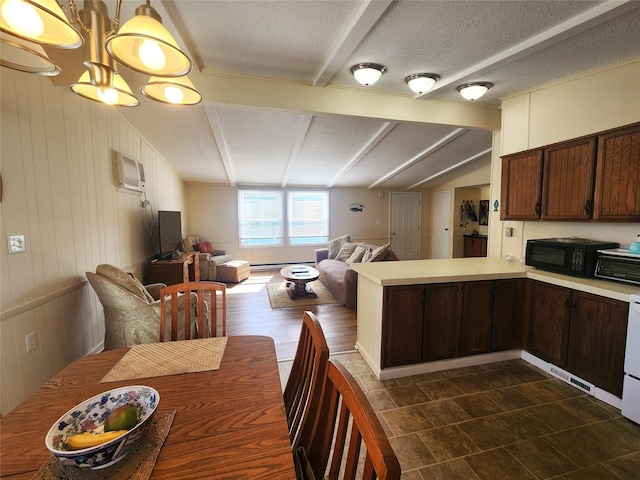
{"x":304,"y":385}
{"x":205,"y":295}
{"x":348,"y":438}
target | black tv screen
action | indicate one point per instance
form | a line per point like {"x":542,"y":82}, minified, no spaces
{"x":170,"y":233}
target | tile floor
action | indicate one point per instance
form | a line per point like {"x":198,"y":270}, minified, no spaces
{"x":506,"y":420}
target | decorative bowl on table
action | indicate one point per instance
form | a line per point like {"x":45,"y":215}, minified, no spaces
{"x":90,"y":416}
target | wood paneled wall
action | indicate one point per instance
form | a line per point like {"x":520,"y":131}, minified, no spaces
{"x":56,"y":155}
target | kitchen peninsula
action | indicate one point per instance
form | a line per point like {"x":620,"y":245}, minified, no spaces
{"x":420,"y":316}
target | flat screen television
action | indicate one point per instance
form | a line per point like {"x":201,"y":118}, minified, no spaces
{"x":170,"y":233}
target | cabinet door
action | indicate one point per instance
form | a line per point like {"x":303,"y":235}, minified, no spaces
{"x":549,"y":315}
{"x":597,"y":340}
{"x":521,"y":186}
{"x":442,"y":312}
{"x":567,"y":185}
{"x":477,"y":315}
{"x":402,"y":325}
{"x":617,"y":195}
{"x":508,"y":314}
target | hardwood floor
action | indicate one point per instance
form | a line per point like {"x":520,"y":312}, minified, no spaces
{"x":249,"y":313}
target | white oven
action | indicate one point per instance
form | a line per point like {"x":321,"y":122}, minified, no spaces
{"x":631,"y":389}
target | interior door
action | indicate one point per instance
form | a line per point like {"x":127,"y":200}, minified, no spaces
{"x":405,"y":225}
{"x":441,"y":247}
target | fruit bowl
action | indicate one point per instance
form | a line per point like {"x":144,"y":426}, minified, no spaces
{"x":90,"y":416}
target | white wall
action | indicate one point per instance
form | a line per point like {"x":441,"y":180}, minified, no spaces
{"x":59,"y":191}
{"x":213,"y":213}
{"x":601,"y":100}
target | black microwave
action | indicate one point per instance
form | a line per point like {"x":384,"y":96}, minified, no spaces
{"x":569,"y":256}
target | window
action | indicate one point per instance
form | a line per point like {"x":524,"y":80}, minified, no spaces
{"x":260,"y":218}
{"x":262,"y":213}
{"x":307,"y":217}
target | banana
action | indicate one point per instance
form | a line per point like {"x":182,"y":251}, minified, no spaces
{"x":88,"y":439}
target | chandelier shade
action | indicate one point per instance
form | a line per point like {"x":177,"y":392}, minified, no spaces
{"x":24,"y":56}
{"x":39,"y":21}
{"x":115,"y":92}
{"x":367,"y":73}
{"x":174,"y":91}
{"x":145,"y":45}
{"x":421,"y":82}
{"x":474,"y":90}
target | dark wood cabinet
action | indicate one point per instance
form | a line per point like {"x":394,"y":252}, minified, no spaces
{"x":475,"y":246}
{"x":477,"y":317}
{"x":567,"y":180}
{"x":442,"y":315}
{"x":402,"y":325}
{"x":521,"y":187}
{"x":549,"y":317}
{"x":617,"y":190}
{"x":509,"y":309}
{"x":170,"y":272}
{"x":597,"y":340}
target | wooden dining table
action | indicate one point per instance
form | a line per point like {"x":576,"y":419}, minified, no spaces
{"x":229,"y":423}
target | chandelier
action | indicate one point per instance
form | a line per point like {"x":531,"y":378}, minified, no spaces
{"x":142,"y":44}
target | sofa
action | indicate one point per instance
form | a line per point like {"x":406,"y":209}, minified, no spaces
{"x":333,"y":265}
{"x":209,"y":257}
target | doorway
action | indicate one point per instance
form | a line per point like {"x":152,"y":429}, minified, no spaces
{"x":405,"y":225}
{"x":441,"y":247}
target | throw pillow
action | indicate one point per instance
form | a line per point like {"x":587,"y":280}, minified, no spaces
{"x":380,"y":253}
{"x":336,"y":244}
{"x":356,"y":256}
{"x":367,"y":256}
{"x":346,"y":250}
{"x":204,"y":247}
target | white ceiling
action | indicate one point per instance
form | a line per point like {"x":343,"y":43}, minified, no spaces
{"x":281,"y":108}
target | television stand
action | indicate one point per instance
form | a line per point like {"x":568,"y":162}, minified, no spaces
{"x":174,"y":270}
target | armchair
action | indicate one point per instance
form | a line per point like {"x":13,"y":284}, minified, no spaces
{"x":208,"y":262}
{"x":131,"y":310}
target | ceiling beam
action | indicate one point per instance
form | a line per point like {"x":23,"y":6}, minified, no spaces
{"x":575,"y":25}
{"x":462,"y":163}
{"x":235,"y":89}
{"x":369,"y":13}
{"x":299,"y":136}
{"x":218,"y":135}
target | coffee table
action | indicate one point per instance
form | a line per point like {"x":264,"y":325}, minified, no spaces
{"x":299,"y":276}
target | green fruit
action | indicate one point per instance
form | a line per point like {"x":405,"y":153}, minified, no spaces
{"x":124,"y":417}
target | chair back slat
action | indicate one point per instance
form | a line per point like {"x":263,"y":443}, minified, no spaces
{"x":303,"y":388}
{"x":345,"y":430}
{"x":187,"y":295}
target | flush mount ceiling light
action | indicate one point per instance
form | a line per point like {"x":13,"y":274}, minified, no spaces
{"x":25,"y":56}
{"x":39,"y":21}
{"x":368,"y":73}
{"x":175,"y":91}
{"x":142,"y":44}
{"x":474,"y":90}
{"x":421,"y":82}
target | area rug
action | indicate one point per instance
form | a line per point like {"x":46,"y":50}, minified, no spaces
{"x":279,"y":298}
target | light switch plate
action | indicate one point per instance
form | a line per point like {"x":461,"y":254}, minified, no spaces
{"x":16,"y":243}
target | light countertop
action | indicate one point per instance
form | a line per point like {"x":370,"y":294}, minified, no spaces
{"x":412,"y":272}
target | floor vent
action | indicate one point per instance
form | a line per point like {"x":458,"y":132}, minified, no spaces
{"x":575,"y":381}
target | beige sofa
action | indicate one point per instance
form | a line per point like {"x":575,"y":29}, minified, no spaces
{"x":338,"y":277}
{"x":208,"y":262}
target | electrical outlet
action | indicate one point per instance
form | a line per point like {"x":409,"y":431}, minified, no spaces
{"x":31,"y":341}
{"x":16,"y":243}
{"x":508,"y":232}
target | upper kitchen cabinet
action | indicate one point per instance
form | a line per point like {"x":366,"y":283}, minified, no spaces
{"x":617,"y":191}
{"x":567,"y":180}
{"x":592,"y":178}
{"x":521,"y":186}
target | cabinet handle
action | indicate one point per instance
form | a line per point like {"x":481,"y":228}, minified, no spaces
{"x":588,"y":207}
{"x":567,"y":301}
{"x":537,"y":208}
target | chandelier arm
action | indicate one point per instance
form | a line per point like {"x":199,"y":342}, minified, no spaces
{"x":116,"y":20}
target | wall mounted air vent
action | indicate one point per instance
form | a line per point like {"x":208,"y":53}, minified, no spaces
{"x":129,"y":174}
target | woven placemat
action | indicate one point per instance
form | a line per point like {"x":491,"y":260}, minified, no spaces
{"x":137,"y":465}
{"x":168,"y":358}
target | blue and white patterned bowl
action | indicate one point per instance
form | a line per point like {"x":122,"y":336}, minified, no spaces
{"x":90,"y":415}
